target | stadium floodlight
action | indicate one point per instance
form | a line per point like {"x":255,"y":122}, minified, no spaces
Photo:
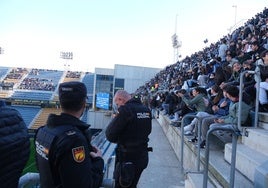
{"x":66,"y":56}
{"x":235,"y":7}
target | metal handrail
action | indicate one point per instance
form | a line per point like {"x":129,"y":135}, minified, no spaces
{"x":187,"y":116}
{"x":236,"y":133}
{"x":241,"y":86}
{"x":232,"y":128}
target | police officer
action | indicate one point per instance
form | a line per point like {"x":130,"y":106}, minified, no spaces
{"x":130,"y":129}
{"x":65,"y":157}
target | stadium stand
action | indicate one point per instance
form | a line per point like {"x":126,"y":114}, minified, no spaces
{"x":42,"y":118}
{"x":3,"y":72}
{"x":245,"y":46}
{"x":28,"y":113}
{"x":32,"y":95}
{"x":251,"y":153}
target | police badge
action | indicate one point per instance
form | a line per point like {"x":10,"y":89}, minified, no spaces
{"x":79,"y":154}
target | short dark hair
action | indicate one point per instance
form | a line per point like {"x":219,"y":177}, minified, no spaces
{"x":232,"y":90}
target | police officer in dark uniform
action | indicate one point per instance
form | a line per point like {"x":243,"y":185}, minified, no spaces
{"x":130,"y":129}
{"x":65,"y":157}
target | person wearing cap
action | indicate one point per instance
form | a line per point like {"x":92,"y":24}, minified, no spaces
{"x":130,"y":130}
{"x":64,"y":155}
{"x":14,"y":146}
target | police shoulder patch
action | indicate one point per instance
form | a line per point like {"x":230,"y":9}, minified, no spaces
{"x":79,"y":154}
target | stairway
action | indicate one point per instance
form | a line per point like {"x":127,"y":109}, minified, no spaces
{"x":42,"y":118}
{"x":253,"y":149}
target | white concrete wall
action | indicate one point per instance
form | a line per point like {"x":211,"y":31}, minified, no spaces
{"x":134,"y":76}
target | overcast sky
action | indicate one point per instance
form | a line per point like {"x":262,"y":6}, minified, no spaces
{"x":101,"y":33}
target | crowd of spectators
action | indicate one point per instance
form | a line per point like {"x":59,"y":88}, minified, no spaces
{"x":37,"y":84}
{"x":16,"y":73}
{"x":71,"y":74}
{"x":196,"y":80}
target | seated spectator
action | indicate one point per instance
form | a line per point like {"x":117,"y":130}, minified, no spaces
{"x":182,"y":108}
{"x":170,"y":103}
{"x":235,"y":77}
{"x":256,"y":52}
{"x":197,"y":102}
{"x":211,"y":80}
{"x":232,"y":93}
{"x":220,"y":107}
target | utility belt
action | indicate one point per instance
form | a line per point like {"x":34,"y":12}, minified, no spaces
{"x":137,"y":149}
{"x":121,"y":150}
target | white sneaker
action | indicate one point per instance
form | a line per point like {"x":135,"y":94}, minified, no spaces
{"x":188,"y":128}
{"x":188,"y":133}
{"x":175,"y":120}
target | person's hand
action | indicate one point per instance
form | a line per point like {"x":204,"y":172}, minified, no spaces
{"x":115,"y":114}
{"x":96,"y":152}
{"x":218,"y":120}
{"x":215,"y":108}
{"x":180,"y":94}
{"x":223,"y":104}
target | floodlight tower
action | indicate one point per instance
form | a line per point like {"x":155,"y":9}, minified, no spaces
{"x":66,"y":56}
{"x":235,"y":7}
{"x":176,"y":43}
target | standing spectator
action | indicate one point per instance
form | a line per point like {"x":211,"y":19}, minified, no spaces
{"x":222,"y":49}
{"x":262,"y":67}
{"x":154,"y":106}
{"x":64,"y":155}
{"x":14,"y":146}
{"x":130,"y":130}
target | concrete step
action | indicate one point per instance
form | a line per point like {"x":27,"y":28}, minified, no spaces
{"x":195,"y":180}
{"x":263,"y":125}
{"x":247,"y":159}
{"x":256,"y":139}
{"x":263,"y":117}
{"x":219,"y":170}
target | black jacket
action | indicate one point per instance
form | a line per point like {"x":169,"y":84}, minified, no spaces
{"x":67,"y":162}
{"x":130,"y":129}
{"x":14,"y":147}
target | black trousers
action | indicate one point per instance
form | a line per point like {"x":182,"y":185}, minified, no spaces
{"x":140,"y":161}
{"x":138,"y":172}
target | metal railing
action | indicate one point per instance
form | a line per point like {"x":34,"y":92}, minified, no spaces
{"x":236,"y":133}
{"x":241,"y":87}
{"x":235,"y":129}
{"x":188,"y":116}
